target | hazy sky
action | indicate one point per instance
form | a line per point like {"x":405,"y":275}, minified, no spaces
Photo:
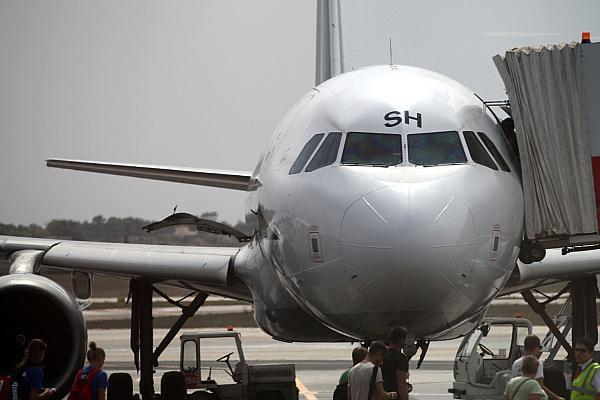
{"x":204,"y":83}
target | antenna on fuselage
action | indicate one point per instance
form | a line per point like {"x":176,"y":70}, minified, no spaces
{"x":330,"y":54}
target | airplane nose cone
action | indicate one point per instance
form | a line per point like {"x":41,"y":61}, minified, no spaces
{"x":407,"y":249}
{"x":378,"y":221}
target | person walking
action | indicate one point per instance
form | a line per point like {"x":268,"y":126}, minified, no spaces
{"x":341,"y":390}
{"x":91,"y":381}
{"x":395,"y":364}
{"x":30,"y":374}
{"x":526,"y":387}
{"x":533,"y":347}
{"x":586,"y":382}
{"x":365,"y":381}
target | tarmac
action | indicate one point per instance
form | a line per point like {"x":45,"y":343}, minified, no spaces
{"x":318,"y":365}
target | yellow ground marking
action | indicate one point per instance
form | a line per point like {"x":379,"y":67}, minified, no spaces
{"x":304,"y":390}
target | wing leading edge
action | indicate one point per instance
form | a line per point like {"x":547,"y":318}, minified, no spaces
{"x":236,"y":180}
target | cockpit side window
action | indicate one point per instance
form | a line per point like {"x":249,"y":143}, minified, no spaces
{"x":478,"y":152}
{"x":436,"y":148}
{"x":327,"y":153}
{"x":494,"y":151}
{"x":305,"y":154}
{"x":372,"y":149}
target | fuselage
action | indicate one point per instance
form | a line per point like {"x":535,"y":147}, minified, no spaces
{"x":378,"y":204}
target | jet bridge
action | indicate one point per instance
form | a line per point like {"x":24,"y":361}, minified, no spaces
{"x":554,"y":94}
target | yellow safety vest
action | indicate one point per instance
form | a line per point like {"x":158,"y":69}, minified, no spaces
{"x":582,"y":385}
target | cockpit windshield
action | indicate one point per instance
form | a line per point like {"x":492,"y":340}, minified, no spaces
{"x":372,"y":149}
{"x":435,"y":148}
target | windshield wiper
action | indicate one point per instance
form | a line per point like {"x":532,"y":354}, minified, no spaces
{"x":367,"y":164}
{"x":440,"y":164}
{"x":394,"y":164}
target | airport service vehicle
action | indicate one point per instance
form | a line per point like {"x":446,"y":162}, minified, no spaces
{"x":483,"y":363}
{"x":229,"y":376}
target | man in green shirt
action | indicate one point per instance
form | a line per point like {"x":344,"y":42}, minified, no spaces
{"x":526,"y":387}
{"x":341,"y":390}
{"x":358,"y":354}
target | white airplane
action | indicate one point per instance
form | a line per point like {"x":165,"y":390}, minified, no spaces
{"x":387,"y":196}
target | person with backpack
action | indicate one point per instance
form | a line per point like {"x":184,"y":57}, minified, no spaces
{"x":526,"y":387}
{"x":341,"y":390}
{"x":91,"y":381}
{"x":365,"y":381}
{"x":29,"y":374}
{"x":533,"y":347}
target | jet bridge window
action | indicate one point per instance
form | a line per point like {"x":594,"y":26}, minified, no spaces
{"x":327,"y":153}
{"x":436,"y":148}
{"x":478,"y":152}
{"x":494,"y":151}
{"x":372,"y":149}
{"x":305,"y":154}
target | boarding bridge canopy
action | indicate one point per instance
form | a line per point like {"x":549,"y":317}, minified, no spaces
{"x":547,"y":87}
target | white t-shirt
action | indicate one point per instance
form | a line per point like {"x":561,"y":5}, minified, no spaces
{"x":517,"y":369}
{"x":360,"y":379}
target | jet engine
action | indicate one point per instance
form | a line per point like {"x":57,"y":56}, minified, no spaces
{"x":31,"y":307}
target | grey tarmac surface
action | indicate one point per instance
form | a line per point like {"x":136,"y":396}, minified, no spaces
{"x":318,"y":365}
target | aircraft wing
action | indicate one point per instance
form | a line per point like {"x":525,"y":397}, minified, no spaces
{"x":237,"y":180}
{"x":555,"y":267}
{"x":206,"y":266}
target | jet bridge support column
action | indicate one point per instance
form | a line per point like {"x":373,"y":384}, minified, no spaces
{"x":585,"y":323}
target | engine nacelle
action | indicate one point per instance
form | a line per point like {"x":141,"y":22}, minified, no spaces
{"x":32,"y":306}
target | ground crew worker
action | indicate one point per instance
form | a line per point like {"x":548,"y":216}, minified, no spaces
{"x":586,"y":385}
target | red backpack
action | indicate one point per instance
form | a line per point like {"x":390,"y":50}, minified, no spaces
{"x":8,"y":387}
{"x":82,"y":388}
